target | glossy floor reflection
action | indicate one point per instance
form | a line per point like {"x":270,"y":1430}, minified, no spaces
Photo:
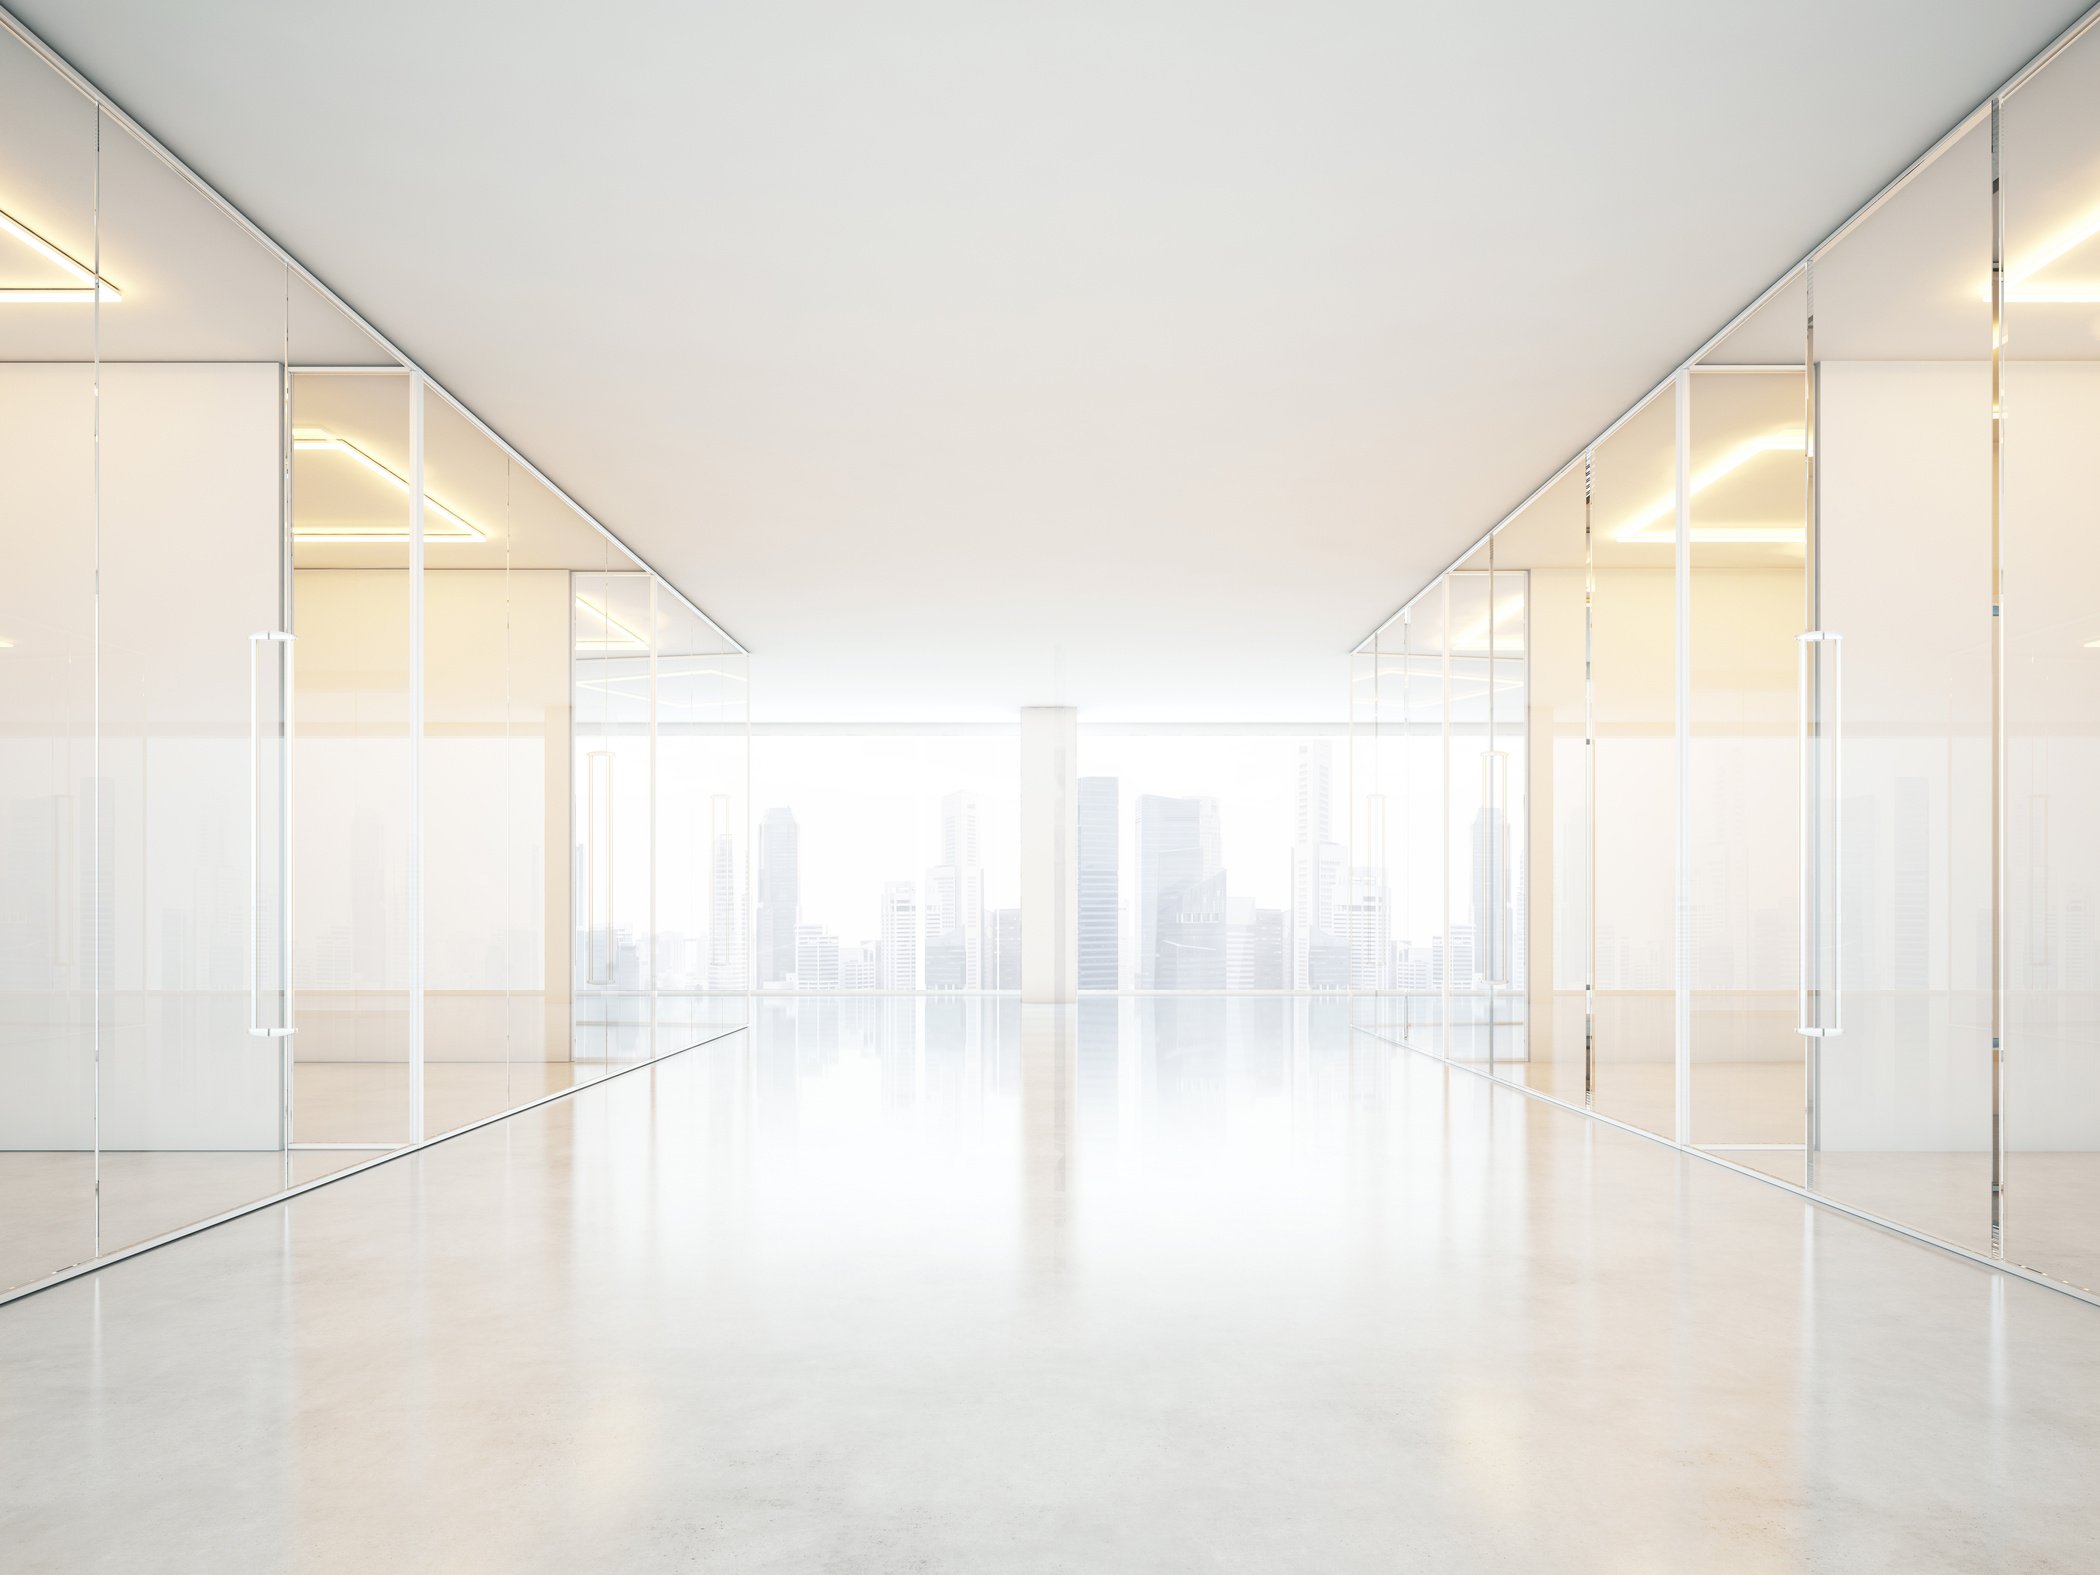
{"x":957,"y":1286}
{"x":60,"y":1208}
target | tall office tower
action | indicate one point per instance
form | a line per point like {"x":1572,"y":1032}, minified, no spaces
{"x":1319,"y":871}
{"x":1315,"y":792}
{"x":779,"y":893}
{"x":1368,"y":933}
{"x":1367,"y":918}
{"x":725,"y":931}
{"x":954,"y":917}
{"x":1099,"y":962}
{"x":959,"y":829}
{"x":1003,"y":943}
{"x":1181,"y":894}
{"x":899,"y":962}
{"x":816,"y":958}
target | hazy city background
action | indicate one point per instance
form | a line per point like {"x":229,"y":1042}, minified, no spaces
{"x":1206,"y":862}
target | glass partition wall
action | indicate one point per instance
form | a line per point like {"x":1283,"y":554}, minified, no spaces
{"x":1772,"y":718}
{"x":301,"y":667}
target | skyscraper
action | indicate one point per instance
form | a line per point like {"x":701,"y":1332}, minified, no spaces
{"x":1181,"y":894}
{"x":900,"y":936}
{"x":1099,"y":961}
{"x":1367,"y":921}
{"x":725,"y":937}
{"x":954,"y":915}
{"x":779,"y":893}
{"x":1368,"y":935}
{"x":816,"y":958}
{"x":1319,"y":868}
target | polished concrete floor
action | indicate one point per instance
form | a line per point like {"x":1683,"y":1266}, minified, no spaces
{"x":60,"y":1208}
{"x":1152,"y":1285}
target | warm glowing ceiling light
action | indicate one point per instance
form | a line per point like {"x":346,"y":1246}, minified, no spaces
{"x":617,"y":636}
{"x":1642,"y":528}
{"x":439,"y":522}
{"x":2018,"y":285}
{"x":85,"y":290}
{"x":636,"y":685}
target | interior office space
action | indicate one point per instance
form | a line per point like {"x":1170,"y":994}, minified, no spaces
{"x":328,"y":714}
{"x":1725,"y":788}
{"x":1065,"y":1050}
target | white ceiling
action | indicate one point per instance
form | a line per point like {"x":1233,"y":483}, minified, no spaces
{"x":1138,"y":355}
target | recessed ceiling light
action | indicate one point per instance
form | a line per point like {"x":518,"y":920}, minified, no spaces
{"x":439,"y":523}
{"x":84,"y":291}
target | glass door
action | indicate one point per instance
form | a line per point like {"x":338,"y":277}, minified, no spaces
{"x":1541,"y":723}
{"x":1746,"y":554}
{"x":1471,"y":861}
{"x":1897,"y":997}
{"x":49,"y":791}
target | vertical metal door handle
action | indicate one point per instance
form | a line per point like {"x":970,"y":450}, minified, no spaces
{"x":1821,"y":1005}
{"x":282,"y":640}
{"x":595,"y":862}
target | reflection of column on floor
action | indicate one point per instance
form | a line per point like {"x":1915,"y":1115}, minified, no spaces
{"x":1047,"y":1067}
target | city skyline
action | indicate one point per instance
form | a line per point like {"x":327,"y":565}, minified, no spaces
{"x":1243,"y":887}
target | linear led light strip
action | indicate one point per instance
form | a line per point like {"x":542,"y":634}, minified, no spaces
{"x":1642,"y":528}
{"x":87,"y":290}
{"x":455,"y":528}
{"x":664,"y":672}
{"x":636,"y":685}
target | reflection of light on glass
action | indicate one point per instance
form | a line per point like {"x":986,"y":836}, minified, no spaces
{"x":1508,"y":630}
{"x":1429,"y":665}
{"x":2019,"y":277}
{"x":1643,"y":527}
{"x":84,"y":291}
{"x":616,"y":636}
{"x":439,"y":522}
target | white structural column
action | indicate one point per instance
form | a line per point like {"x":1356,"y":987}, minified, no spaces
{"x":1049,"y":853}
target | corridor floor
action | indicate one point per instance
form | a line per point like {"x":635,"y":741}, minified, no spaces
{"x":1147,"y":1285}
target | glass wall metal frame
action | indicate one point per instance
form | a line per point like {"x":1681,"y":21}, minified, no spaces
{"x":1827,"y":626}
{"x":294,"y":665}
